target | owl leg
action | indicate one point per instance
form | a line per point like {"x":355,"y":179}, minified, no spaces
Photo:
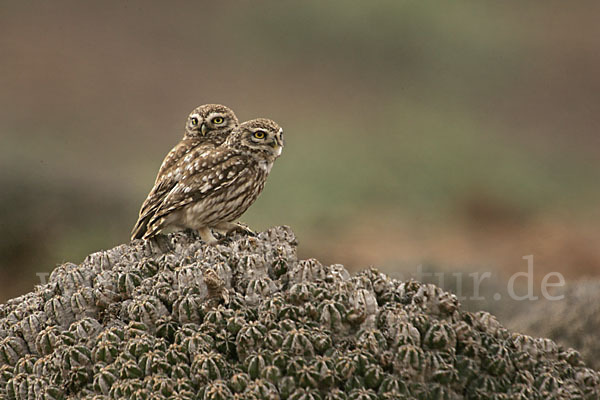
{"x":207,"y":236}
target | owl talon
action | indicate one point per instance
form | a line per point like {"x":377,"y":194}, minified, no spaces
{"x":241,"y":228}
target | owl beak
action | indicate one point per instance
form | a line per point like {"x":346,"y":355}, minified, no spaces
{"x":277,"y":143}
{"x":279,"y":138}
{"x":277,"y":149}
{"x":203,"y":128}
{"x":277,"y":146}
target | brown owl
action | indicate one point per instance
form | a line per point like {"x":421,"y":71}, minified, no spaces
{"x":218,"y":185}
{"x":207,"y":126}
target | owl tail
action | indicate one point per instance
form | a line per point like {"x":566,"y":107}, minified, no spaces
{"x":140,"y":228}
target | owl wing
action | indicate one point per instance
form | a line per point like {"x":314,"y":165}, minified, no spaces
{"x":169,"y":174}
{"x":209,"y":172}
{"x":175,"y":155}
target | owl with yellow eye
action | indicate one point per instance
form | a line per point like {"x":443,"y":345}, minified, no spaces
{"x":207,"y":127}
{"x":219,"y":184}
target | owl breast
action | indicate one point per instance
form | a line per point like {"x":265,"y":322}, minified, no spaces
{"x":265,"y":166}
{"x":227,"y":203}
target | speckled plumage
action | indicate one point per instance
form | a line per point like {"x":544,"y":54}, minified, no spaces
{"x":203,"y":130}
{"x":217,"y":185}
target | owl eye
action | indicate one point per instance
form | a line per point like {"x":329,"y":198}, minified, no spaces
{"x":218,"y":120}
{"x":194,"y":121}
{"x":259,"y":134}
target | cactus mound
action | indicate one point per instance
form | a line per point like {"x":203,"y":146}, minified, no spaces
{"x":573,"y":321}
{"x":174,"y":318}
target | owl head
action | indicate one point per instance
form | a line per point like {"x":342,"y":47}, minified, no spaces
{"x":259,"y":136}
{"x":210,"y":123}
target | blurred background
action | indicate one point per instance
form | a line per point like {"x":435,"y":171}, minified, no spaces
{"x":458,"y":137}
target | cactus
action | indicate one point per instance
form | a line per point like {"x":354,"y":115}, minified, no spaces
{"x":245,"y":319}
{"x":573,"y":321}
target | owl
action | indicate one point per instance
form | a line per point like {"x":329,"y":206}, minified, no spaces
{"x":217,"y":185}
{"x":207,"y":126}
